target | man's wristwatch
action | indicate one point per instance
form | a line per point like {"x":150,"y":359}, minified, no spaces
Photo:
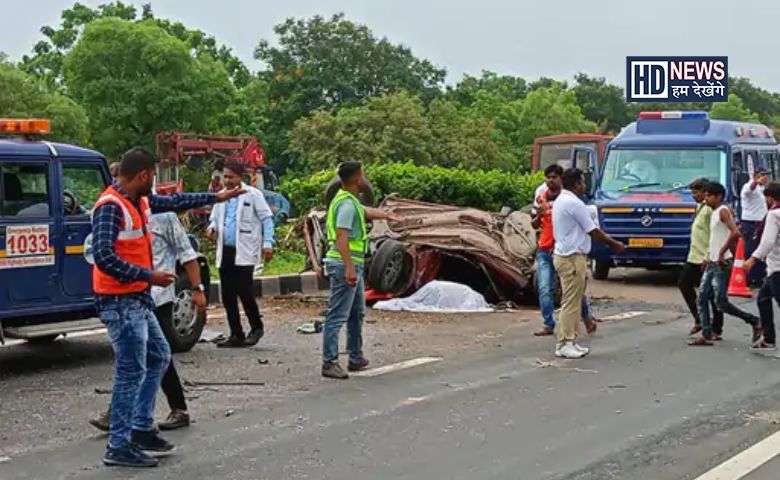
{"x":199,"y":287}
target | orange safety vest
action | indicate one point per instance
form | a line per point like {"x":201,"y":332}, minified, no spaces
{"x":546,"y":237}
{"x":133,"y":244}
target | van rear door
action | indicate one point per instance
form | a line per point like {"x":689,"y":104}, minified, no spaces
{"x":28,"y":233}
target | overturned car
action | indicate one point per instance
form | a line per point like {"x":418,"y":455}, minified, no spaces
{"x":491,"y":253}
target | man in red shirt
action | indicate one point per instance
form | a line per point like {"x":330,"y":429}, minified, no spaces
{"x":545,"y":271}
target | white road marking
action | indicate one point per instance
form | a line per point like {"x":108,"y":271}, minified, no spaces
{"x":624,"y":316}
{"x":746,"y":461}
{"x":85,"y":333}
{"x":395,"y":367}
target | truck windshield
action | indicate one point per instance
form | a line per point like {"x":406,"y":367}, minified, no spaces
{"x":661,"y":170}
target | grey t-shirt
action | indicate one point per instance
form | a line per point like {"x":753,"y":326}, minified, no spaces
{"x":346,"y":217}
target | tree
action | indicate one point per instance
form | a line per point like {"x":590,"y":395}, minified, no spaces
{"x":506,"y":87}
{"x":463,"y":140}
{"x":765,"y":104}
{"x":389,"y":127}
{"x":48,"y":56}
{"x":135,"y":79}
{"x":24,"y":96}
{"x":330,"y":63}
{"x":602,"y":103}
{"x":734,"y":109}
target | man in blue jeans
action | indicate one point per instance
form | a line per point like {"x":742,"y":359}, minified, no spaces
{"x":347,"y":247}
{"x":121,"y":278}
{"x":545,"y":271}
{"x":714,"y":283}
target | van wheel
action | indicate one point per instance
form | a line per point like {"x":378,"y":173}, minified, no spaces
{"x":183,"y":324}
{"x":44,"y":340}
{"x":600,"y":270}
{"x":389,"y":267}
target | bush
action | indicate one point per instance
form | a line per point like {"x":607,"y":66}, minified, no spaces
{"x":485,"y":189}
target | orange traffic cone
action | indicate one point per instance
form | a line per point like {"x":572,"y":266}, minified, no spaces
{"x":738,"y":282}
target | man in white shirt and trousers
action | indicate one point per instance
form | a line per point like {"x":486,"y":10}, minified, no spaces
{"x":241,"y":226}
{"x":753,"y":212}
{"x":574,"y":227}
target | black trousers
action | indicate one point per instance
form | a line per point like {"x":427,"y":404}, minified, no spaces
{"x":690,"y":279}
{"x":758,"y":272}
{"x":236,"y":284}
{"x":171,"y":385}
{"x":770,"y":290}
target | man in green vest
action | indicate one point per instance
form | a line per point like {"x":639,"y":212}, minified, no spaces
{"x":347,"y":247}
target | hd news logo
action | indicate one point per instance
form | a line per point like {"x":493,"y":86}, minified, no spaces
{"x":677,"y":79}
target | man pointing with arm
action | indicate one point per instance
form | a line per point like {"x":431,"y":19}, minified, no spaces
{"x":121,"y":278}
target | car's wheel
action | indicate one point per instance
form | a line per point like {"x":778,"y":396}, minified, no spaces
{"x":44,"y":340}
{"x":366,"y":195}
{"x":281,"y":218}
{"x":389,"y":267}
{"x":184,"y":326}
{"x":600,"y":270}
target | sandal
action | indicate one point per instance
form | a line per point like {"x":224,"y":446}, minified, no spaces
{"x":694,"y":330}
{"x":544,"y":332}
{"x":591,"y":326}
{"x":717,"y":338}
{"x":701,"y":342}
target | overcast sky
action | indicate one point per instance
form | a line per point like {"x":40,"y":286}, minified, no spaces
{"x":553,"y":38}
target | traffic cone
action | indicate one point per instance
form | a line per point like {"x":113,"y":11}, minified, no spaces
{"x":738,"y":282}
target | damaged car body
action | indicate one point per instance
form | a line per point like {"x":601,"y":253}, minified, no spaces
{"x":493,"y":254}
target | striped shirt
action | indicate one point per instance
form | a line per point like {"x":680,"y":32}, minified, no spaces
{"x":106,"y":223}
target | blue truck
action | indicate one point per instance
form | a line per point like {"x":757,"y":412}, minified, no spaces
{"x":640,"y":195}
{"x":47,"y":191}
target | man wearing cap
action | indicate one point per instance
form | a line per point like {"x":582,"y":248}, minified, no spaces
{"x":753,"y":212}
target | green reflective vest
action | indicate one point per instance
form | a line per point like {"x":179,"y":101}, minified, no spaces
{"x":357,"y":247}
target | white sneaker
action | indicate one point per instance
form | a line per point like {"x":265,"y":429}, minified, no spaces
{"x":568,"y":350}
{"x":584,"y":350}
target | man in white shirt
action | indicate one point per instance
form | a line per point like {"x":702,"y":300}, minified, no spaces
{"x":753,"y":212}
{"x":574,"y":227}
{"x":768,"y":250}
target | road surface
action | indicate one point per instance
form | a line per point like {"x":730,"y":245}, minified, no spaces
{"x":486,"y":400}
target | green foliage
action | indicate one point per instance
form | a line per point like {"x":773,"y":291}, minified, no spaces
{"x":757,"y":100}
{"x":484,"y":189}
{"x":602,"y":103}
{"x":506,"y":87}
{"x":734,"y":109}
{"x":23,"y":96}
{"x":331,"y":63}
{"x":136,"y":80}
{"x":47,"y":60}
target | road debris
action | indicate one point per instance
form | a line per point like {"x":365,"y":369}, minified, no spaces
{"x":103,"y":391}
{"x":230,"y":412}
{"x":310,"y":328}
{"x":262,"y":361}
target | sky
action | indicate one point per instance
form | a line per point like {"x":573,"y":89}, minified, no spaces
{"x":552,"y":38}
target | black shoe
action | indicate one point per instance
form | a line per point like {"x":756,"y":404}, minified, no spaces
{"x":102,"y":422}
{"x":150,"y":442}
{"x":232,"y":342}
{"x":357,"y":365}
{"x":254,"y":336}
{"x":334,"y":370}
{"x":128,"y":456}
{"x":176,"y":419}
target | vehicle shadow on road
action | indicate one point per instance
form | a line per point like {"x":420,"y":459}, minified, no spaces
{"x":63,"y":354}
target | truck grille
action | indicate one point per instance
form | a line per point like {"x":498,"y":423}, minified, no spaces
{"x":674,"y":228}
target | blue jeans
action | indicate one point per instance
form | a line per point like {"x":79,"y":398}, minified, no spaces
{"x":346,"y":305}
{"x":141,"y":356}
{"x":714,"y":286}
{"x":545,"y":283}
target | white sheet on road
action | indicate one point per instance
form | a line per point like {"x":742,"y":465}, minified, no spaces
{"x":439,"y":297}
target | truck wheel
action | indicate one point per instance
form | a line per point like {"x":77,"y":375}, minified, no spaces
{"x":184,"y":326}
{"x":600,"y":270}
{"x":389,"y":267}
